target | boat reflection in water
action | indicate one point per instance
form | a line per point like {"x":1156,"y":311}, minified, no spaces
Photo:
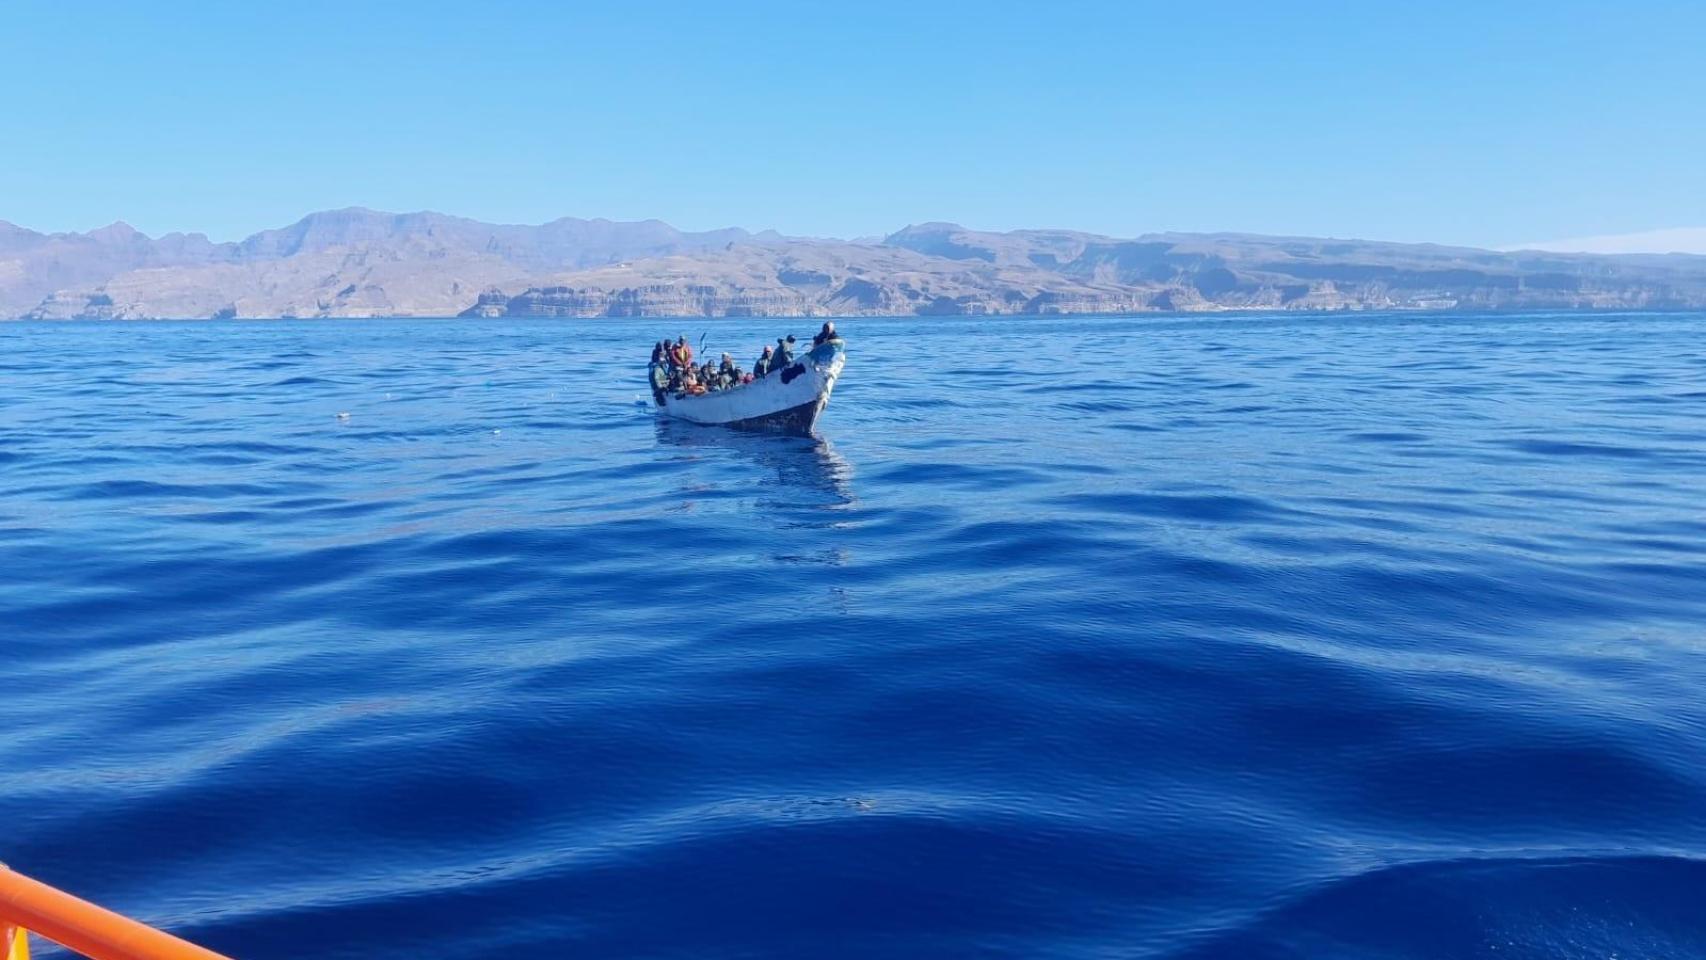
{"x":791,"y":465}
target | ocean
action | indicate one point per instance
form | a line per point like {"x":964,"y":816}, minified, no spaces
{"x":1371,"y":636}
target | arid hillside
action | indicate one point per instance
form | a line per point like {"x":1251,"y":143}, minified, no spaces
{"x":363,"y":263}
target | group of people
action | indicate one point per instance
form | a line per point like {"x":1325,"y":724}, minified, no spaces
{"x":672,"y":370}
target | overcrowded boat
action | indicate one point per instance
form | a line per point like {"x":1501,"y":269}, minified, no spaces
{"x":783,"y":393}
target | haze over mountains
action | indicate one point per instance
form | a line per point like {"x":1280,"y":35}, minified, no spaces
{"x":1673,"y":240}
{"x":360,"y":263}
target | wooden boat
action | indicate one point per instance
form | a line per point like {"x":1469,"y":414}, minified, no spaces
{"x":788,"y":400}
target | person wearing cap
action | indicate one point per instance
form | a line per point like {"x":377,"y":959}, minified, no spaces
{"x":784,"y":354}
{"x":729,"y":372}
{"x":683,"y":352}
{"x":761,"y":366}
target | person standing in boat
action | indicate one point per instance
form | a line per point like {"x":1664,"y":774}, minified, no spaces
{"x":658,"y":373}
{"x":761,"y":366}
{"x":826,"y":334}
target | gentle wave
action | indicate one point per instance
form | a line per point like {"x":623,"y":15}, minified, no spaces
{"x":1370,"y":636}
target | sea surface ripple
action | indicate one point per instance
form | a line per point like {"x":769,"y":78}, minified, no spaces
{"x":1288,"y":636}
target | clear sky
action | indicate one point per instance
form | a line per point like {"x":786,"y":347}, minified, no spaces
{"x":1489,"y":123}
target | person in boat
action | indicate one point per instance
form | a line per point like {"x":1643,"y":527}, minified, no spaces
{"x":683,"y":351}
{"x":784,"y":354}
{"x":729,"y":372}
{"x":690,"y":384}
{"x":658,"y":373}
{"x":826,"y":334}
{"x":761,"y":366}
{"x":708,"y":376}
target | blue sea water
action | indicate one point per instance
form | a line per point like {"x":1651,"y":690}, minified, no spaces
{"x":1267,"y":637}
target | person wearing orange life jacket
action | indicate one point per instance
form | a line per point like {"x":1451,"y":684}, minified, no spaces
{"x":683,"y":352}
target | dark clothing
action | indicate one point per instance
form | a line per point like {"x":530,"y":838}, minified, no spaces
{"x":658,"y":374}
{"x":760,"y":367}
{"x":783,"y":356}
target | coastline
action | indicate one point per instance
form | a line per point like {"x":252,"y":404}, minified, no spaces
{"x":363,"y":263}
{"x":1230,"y":313}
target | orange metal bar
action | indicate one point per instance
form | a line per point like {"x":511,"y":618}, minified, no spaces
{"x":94,"y":932}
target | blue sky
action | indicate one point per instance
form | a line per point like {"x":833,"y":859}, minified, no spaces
{"x":1488,"y":123}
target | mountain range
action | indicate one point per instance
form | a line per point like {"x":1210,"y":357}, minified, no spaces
{"x":363,"y":263}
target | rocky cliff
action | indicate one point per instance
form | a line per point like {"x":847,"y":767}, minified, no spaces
{"x":355,"y":263}
{"x":942,"y":269}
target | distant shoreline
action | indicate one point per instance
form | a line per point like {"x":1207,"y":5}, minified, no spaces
{"x":1371,"y":313}
{"x":365,"y":263}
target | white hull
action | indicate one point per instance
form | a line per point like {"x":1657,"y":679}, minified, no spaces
{"x":786,"y":401}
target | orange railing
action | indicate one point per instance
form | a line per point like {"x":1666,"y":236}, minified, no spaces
{"x":30,"y":906}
